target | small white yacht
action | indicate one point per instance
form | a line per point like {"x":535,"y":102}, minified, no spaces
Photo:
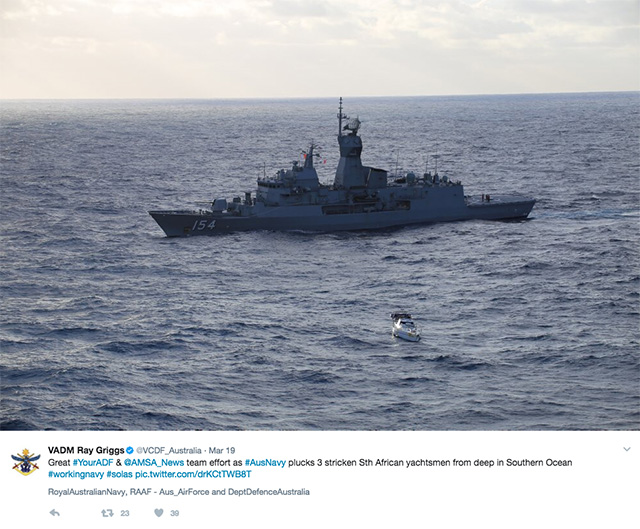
{"x":403,"y":327}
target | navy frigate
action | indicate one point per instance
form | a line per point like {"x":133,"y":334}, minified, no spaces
{"x":360,"y":198}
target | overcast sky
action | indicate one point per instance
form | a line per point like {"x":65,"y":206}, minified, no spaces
{"x":321,"y":48}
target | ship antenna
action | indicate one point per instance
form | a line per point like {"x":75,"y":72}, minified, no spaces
{"x":341,"y":116}
{"x":435,"y":157}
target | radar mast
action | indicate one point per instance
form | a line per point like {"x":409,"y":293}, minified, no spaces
{"x":341,"y":116}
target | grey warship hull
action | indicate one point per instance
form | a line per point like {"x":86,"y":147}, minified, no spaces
{"x":360,"y":198}
{"x":312,"y":218}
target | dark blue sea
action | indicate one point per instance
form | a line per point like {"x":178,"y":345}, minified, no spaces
{"x":107,"y":324}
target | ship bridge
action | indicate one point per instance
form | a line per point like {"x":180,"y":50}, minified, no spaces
{"x":293,"y":182}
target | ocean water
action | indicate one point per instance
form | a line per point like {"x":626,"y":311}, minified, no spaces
{"x":107,"y":324}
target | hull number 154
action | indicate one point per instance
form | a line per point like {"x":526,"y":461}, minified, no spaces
{"x":203,"y":224}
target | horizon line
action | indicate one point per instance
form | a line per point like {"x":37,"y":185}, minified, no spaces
{"x":283,"y":98}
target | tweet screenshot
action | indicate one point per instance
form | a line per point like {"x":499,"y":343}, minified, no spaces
{"x":334,"y":264}
{"x":245,"y":479}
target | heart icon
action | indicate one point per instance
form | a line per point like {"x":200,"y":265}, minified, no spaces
{"x":158,"y":512}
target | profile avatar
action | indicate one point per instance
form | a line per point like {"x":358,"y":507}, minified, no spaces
{"x":25,"y":462}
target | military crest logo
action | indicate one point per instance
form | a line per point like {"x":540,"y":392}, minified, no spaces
{"x":25,"y":462}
